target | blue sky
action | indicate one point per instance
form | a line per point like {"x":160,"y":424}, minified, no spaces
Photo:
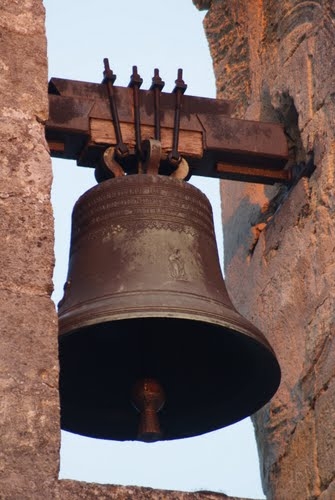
{"x":149,"y":34}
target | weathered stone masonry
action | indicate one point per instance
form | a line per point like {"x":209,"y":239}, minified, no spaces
{"x":29,"y":409}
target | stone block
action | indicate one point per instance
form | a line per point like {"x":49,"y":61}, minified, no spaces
{"x":202,"y":4}
{"x":23,"y":61}
{"x":296,"y":475}
{"x":71,"y":490}
{"x":329,"y":493}
{"x":325,"y":435}
{"x":29,"y":410}
{"x":26,"y":254}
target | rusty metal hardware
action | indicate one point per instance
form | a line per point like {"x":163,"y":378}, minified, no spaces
{"x":135,"y":83}
{"x":174,"y":157}
{"x":109,"y":79}
{"x":109,"y":166}
{"x":112,"y":164}
{"x":152,"y":151}
{"x":290,"y":176}
{"x":182,"y":171}
{"x":157,"y":87}
{"x":147,"y":301}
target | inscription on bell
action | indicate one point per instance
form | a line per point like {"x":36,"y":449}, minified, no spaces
{"x":101,"y":212}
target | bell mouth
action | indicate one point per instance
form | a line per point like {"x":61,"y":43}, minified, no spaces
{"x":149,"y":305}
{"x":212,"y":376}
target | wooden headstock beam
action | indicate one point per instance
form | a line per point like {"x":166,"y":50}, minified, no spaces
{"x":80,"y":127}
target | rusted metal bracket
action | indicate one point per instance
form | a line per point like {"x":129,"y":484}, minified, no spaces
{"x":153,"y":154}
{"x":157,"y":87}
{"x":86,"y":119}
{"x":290,"y":175}
{"x":121,"y":148}
{"x":135,"y":83}
{"x":174,"y":156}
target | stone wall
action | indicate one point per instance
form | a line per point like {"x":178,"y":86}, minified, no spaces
{"x":275,"y":59}
{"x":29,"y":409}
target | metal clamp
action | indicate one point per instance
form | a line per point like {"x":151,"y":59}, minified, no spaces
{"x":109,"y":168}
{"x":174,"y":157}
{"x":157,"y":87}
{"x":135,"y":83}
{"x":121,"y":148}
{"x":112,"y":164}
{"x":152,"y":150}
{"x":182,"y":171}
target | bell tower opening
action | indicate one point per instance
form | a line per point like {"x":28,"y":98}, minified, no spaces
{"x":70,"y":182}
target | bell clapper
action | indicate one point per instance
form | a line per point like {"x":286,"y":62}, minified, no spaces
{"x":148,"y":398}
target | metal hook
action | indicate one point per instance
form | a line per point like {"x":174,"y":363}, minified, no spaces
{"x":182,"y":170}
{"x":111,"y":163}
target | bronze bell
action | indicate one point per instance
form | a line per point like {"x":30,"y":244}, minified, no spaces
{"x":146,"y":319}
